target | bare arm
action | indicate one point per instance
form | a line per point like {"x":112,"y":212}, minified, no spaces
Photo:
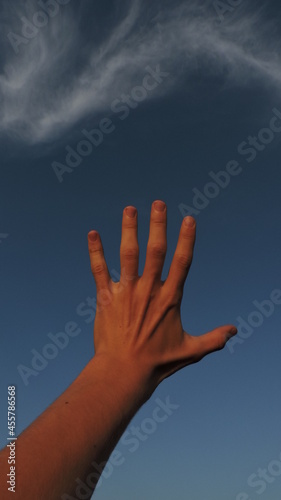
{"x":139,"y":341}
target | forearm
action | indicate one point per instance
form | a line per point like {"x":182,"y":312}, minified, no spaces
{"x":149,"y":344}
{"x":82,"y":426}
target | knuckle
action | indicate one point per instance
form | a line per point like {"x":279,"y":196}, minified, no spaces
{"x":183,"y":260}
{"x":96,"y":251}
{"x":172,"y":297}
{"x":93,"y":250}
{"x":159,"y":219}
{"x":188,"y":236}
{"x":98,"y":268}
{"x":188,"y":231}
{"x":220,"y":342}
{"x":129,"y":224}
{"x":130,"y":253}
{"x":157,"y":250}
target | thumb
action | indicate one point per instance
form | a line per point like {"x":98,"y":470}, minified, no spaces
{"x":212,"y":341}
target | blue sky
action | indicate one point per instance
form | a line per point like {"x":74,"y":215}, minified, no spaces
{"x":203,"y":83}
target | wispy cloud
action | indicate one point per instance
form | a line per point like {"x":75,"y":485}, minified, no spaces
{"x":60,"y":76}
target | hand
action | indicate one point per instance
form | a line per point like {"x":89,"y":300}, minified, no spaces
{"x":138,"y":319}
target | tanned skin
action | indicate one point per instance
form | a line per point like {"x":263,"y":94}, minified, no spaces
{"x":139,"y":341}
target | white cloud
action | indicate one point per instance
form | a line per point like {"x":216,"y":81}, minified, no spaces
{"x":57,"y":79}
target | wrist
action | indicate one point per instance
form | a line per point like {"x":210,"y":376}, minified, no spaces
{"x":123,"y":377}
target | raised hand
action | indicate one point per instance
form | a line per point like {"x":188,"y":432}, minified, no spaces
{"x":138,"y":319}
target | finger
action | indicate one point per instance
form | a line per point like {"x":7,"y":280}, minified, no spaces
{"x":129,"y":248}
{"x":157,"y":242}
{"x":215,"y":340}
{"x":98,"y":263}
{"x":183,"y":255}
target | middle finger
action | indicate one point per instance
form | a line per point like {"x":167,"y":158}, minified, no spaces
{"x":157,"y":242}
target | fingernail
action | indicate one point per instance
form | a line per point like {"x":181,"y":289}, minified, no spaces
{"x":159,"y":206}
{"x":131,"y":211}
{"x":93,"y":236}
{"x":189,"y":221}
